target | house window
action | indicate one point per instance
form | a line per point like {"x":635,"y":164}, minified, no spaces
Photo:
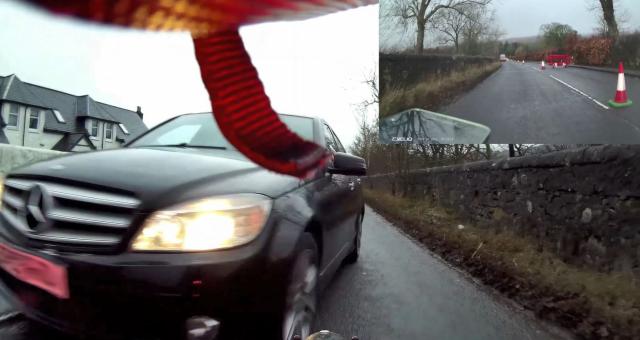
{"x":13,"y":115}
{"x":108,"y":131}
{"x":93,"y":132}
{"x":34,"y":119}
{"x":124,"y":128}
{"x":58,"y":115}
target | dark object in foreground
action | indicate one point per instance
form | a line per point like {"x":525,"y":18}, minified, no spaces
{"x":179,"y":233}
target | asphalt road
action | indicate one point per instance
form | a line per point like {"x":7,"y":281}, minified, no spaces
{"x":522,"y":104}
{"x":397,"y":290}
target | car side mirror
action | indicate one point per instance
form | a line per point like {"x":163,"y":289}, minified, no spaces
{"x":346,"y":164}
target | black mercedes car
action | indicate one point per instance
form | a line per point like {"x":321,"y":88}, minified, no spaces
{"x":178,"y":235}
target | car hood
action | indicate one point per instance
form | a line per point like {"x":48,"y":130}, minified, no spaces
{"x":163,"y":176}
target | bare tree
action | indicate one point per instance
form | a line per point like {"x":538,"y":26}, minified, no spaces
{"x":522,"y":149}
{"x":483,"y":150}
{"x":450,"y":24}
{"x":622,"y":17}
{"x":372,"y":82}
{"x":420,"y":12}
{"x":367,"y":135}
{"x":481,"y":29}
{"x":519,"y":150}
{"x":366,"y":138}
{"x":607,"y":16}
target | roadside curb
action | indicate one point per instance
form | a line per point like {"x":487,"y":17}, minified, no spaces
{"x":607,"y":70}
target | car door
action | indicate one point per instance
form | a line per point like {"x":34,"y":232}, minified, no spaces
{"x":343,"y":199}
{"x":327,"y":200}
{"x":352,"y":200}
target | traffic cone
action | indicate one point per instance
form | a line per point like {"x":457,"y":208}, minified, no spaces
{"x":622,"y":100}
{"x":542,"y":65}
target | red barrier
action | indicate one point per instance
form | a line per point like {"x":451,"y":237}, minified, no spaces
{"x":559,"y":59}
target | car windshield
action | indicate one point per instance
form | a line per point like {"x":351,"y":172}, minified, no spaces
{"x":201,"y":130}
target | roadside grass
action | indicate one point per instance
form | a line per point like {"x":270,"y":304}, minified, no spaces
{"x":436,"y":91}
{"x":589,"y":303}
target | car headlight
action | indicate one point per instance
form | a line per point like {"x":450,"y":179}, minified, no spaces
{"x":205,"y":224}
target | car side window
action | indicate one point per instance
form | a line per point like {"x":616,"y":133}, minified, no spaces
{"x":330,"y":141}
{"x":337,"y":141}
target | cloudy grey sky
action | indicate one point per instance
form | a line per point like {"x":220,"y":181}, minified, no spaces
{"x":523,"y":18}
{"x":312,"y":67}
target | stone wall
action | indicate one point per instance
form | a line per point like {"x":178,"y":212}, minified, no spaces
{"x":12,"y":156}
{"x":401,"y":70}
{"x":583,"y":204}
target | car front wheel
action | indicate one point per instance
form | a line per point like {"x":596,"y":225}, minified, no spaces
{"x":355,"y":253}
{"x":301,"y":293}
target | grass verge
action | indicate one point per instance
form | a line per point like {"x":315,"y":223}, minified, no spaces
{"x":433,"y":93}
{"x":589,"y":303}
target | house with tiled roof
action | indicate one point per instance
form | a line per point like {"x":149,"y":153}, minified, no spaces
{"x":40,"y":117}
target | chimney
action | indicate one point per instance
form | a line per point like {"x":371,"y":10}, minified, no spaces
{"x":139,"y":112}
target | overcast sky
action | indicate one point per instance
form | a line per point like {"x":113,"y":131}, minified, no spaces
{"x":523,"y":18}
{"x":313,"y":67}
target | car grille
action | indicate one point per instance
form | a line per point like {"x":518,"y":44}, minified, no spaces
{"x":66,"y":217}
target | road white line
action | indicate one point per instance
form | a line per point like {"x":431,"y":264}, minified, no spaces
{"x":536,"y":69}
{"x":580,"y":92}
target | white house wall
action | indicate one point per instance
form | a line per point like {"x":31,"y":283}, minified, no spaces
{"x":14,"y":135}
{"x":46,"y":140}
{"x":81,"y":148}
{"x":43,"y":140}
{"x":100,"y":141}
{"x":32,"y":138}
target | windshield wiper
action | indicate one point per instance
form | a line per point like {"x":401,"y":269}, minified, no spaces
{"x":186,"y":145}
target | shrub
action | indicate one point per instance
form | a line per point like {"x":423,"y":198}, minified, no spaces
{"x":594,"y":51}
{"x":628,"y":50}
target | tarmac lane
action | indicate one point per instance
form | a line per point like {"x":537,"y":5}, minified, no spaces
{"x":523,"y":104}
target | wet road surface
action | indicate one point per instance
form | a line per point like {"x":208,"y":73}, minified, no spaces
{"x":522,"y":104}
{"x":397,"y":290}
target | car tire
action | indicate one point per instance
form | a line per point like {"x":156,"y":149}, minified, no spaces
{"x":355,"y":253}
{"x":301,"y":293}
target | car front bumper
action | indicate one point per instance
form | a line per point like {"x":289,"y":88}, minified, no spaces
{"x":150,"y":295}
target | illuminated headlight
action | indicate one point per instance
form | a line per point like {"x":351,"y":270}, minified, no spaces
{"x":205,"y":224}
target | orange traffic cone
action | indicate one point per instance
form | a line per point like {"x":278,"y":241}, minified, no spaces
{"x":621,"y":100}
{"x":542,"y":65}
